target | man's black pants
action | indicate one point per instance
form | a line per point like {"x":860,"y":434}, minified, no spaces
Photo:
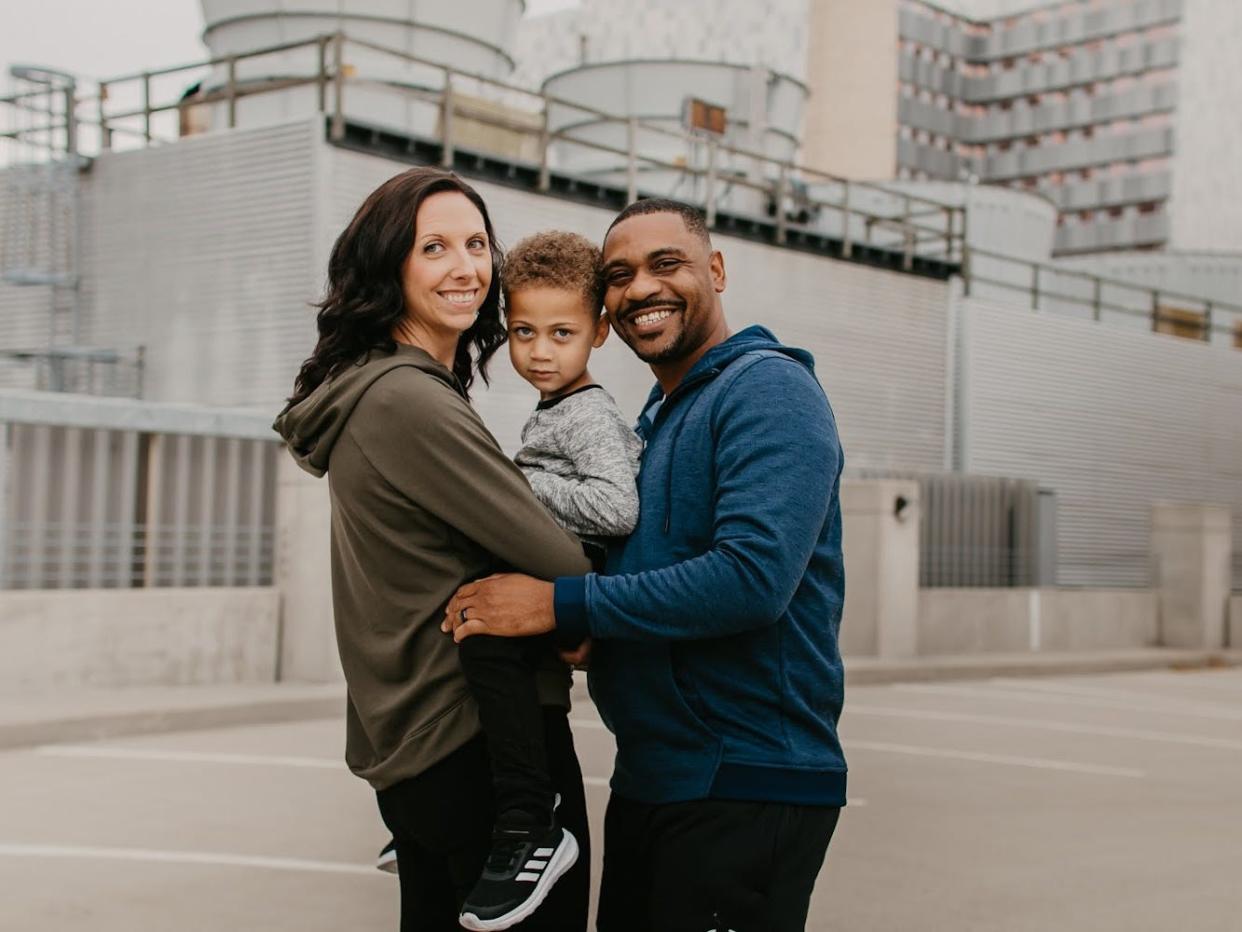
{"x":711,"y":865}
{"x":442,"y":819}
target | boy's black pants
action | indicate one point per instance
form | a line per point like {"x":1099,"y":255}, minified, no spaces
{"x":441,"y":821}
{"x":501,"y":675}
{"x":711,"y":865}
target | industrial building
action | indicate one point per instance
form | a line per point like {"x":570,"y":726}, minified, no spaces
{"x":165,"y":234}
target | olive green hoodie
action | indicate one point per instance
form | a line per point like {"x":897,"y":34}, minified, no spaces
{"x":423,"y":500}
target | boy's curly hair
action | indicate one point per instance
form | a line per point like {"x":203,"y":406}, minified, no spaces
{"x":556,"y":259}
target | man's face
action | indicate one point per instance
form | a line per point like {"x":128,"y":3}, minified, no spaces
{"x":661,"y":283}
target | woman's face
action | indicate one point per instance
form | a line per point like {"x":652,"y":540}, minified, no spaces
{"x":447,"y":273}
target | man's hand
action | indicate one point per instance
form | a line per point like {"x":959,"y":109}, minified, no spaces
{"x":580,"y":657}
{"x":507,"y":605}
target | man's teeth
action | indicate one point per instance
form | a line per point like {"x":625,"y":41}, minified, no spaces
{"x":652,"y":317}
{"x":459,"y":297}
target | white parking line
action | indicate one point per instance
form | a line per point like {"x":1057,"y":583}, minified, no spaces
{"x":1038,"y":763}
{"x":1188,"y":703}
{"x":189,"y":757}
{"x":1066,"y":727}
{"x":1098,"y":702}
{"x":212,"y":858}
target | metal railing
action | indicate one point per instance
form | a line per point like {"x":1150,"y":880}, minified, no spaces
{"x":102,"y":493}
{"x":800,"y":202}
{"x":1053,"y":288}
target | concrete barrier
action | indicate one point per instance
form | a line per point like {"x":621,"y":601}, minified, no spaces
{"x":137,"y":637}
{"x":968,"y":621}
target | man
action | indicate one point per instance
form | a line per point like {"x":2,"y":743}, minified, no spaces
{"x":714,"y":658}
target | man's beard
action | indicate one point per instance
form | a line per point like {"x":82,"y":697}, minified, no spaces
{"x":674,"y":350}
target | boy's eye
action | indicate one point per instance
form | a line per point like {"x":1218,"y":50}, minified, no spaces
{"x":562,"y":333}
{"x":521,"y":331}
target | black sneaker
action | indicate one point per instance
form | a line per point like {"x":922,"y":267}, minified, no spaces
{"x":387,"y":859}
{"x":522,"y":868}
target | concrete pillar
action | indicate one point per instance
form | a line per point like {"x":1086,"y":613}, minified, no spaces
{"x":1191,"y":554}
{"x":303,"y":575}
{"x":881,"y":530}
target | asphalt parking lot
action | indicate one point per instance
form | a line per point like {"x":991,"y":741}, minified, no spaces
{"x":1092,"y":802}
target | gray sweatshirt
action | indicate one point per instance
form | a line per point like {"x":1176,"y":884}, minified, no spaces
{"x":581,"y":457}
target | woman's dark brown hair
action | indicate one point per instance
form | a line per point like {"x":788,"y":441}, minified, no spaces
{"x":364,"y":299}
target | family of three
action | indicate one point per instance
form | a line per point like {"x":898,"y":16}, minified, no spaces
{"x":693,"y":564}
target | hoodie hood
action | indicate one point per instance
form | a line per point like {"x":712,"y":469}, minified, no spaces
{"x":312,"y":426}
{"x":745,"y":341}
{"x":718,"y":357}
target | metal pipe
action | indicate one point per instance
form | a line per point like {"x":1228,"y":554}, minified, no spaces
{"x":545,"y":140}
{"x":847,"y":236}
{"x":232,"y":91}
{"x":709,"y":192}
{"x":782,"y":182}
{"x":322,"y":75}
{"x":446,"y":121}
{"x":1207,"y":322}
{"x":631,"y":160}
{"x":1034,"y":287}
{"x":105,"y":131}
{"x":1155,"y":310}
{"x":1096,"y":287}
{"x":338,"y":87}
{"x":71,"y":120}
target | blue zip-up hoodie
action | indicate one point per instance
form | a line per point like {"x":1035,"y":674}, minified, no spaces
{"x":715,"y":659}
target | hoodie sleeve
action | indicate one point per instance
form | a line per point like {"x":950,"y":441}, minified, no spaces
{"x":428,"y":443}
{"x":775,"y":480}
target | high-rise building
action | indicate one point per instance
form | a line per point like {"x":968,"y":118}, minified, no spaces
{"x":1118,"y":111}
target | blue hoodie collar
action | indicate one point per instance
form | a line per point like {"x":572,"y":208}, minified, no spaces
{"x":754,"y":337}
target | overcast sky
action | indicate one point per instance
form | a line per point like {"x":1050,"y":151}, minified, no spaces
{"x":109,"y":38}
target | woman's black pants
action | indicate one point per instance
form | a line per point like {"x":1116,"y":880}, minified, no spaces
{"x":442,"y":820}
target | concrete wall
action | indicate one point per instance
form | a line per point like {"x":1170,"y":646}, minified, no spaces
{"x":851,"y":119}
{"x":1112,"y":420}
{"x":137,"y":637}
{"x":969,"y":621}
{"x":1208,"y":134}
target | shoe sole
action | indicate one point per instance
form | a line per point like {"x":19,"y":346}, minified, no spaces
{"x":562,"y":860}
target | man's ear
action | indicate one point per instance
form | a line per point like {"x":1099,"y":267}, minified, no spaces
{"x":716,"y":266}
{"x":601,"y":331}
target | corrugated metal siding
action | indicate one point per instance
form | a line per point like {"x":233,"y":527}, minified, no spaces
{"x":879,"y":338}
{"x":1112,"y":420}
{"x":203,"y":252}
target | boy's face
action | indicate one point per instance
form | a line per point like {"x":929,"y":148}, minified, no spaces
{"x":551,"y":334}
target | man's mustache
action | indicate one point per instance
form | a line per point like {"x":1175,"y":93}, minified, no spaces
{"x":648,"y":304}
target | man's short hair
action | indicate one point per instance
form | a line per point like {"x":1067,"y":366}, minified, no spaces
{"x":691,"y":216}
{"x":556,"y":259}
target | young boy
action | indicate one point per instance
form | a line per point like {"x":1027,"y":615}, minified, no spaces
{"x":581,"y":458}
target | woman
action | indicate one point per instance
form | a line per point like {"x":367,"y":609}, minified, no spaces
{"x":424,"y":500}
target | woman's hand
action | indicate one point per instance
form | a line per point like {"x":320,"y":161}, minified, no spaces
{"x":506,"y":605}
